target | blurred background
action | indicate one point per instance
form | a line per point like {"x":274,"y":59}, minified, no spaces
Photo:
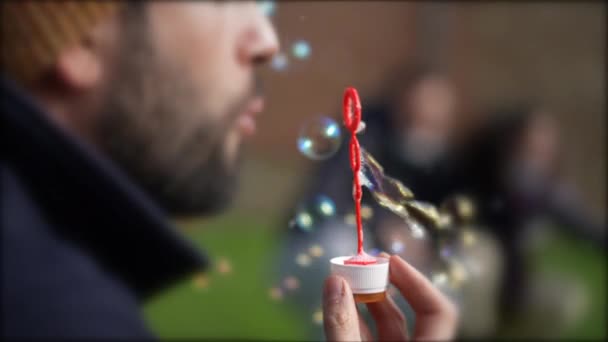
{"x":493,"y":112}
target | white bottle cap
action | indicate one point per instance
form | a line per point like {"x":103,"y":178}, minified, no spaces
{"x":363,"y":279}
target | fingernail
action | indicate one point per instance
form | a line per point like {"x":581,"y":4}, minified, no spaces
{"x":334,"y":289}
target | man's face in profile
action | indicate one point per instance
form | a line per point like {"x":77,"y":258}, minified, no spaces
{"x":178,"y":97}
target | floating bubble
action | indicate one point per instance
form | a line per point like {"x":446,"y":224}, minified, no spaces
{"x":267,"y":7}
{"x":310,"y":214}
{"x":325,"y":206}
{"x":304,"y":221}
{"x":275,"y":293}
{"x":374,"y":252}
{"x":350,"y":219}
{"x":396,"y":197}
{"x":467,"y":237}
{"x":439,"y":279}
{"x":303,"y":260}
{"x":446,"y":251}
{"x":319,"y":138}
{"x":416,"y":229}
{"x":301,"y":49}
{"x":451,"y":275}
{"x":279,"y":62}
{"x":316,"y":251}
{"x":317,"y":317}
{"x":224,"y":266}
{"x":200,"y":281}
{"x":397,"y":247}
{"x":366,"y":212}
{"x":291,"y":283}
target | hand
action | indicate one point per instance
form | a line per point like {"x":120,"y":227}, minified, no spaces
{"x":436,"y":316}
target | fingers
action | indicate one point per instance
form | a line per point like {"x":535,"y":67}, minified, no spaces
{"x":366,"y":334}
{"x":340,"y":316}
{"x":436,"y":316}
{"x":390,"y":322}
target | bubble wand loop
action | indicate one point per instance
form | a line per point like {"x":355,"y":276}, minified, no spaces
{"x":352,"y":120}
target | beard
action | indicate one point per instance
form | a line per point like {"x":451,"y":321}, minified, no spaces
{"x":154,"y":125}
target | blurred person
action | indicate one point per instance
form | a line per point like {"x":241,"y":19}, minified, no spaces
{"x":513,"y":172}
{"x":112,"y":110}
{"x":113,"y":114}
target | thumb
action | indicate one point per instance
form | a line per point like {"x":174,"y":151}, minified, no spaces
{"x":340,"y":317}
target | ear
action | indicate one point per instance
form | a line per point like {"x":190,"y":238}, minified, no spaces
{"x":79,"y":67}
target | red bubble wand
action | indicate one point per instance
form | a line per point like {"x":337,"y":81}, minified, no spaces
{"x":352,"y":120}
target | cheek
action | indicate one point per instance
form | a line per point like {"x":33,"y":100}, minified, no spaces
{"x":201,"y":38}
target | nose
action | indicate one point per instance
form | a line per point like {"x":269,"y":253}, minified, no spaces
{"x":260,"y":41}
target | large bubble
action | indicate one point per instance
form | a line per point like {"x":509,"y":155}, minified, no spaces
{"x":319,"y":138}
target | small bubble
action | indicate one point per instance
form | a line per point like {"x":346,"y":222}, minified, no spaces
{"x":303,"y":260}
{"x":319,"y":138}
{"x":325,"y":206}
{"x":350,"y":219}
{"x":291,"y":283}
{"x":279,"y":62}
{"x":200,"y":281}
{"x":317,"y":317}
{"x":301,"y":49}
{"x":315,"y":251}
{"x":446,"y":252}
{"x":304,"y":221}
{"x":267,"y":7}
{"x":366,"y":212}
{"x":439,"y":279}
{"x":224,"y":266}
{"x":275,"y":293}
{"x":468,"y":237}
{"x":397,"y":247}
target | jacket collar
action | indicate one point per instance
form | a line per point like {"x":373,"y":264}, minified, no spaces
{"x":89,"y":202}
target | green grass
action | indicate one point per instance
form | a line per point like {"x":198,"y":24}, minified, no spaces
{"x":234,"y":305}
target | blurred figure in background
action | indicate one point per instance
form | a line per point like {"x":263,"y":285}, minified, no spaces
{"x":114,"y":113}
{"x":512,"y":170}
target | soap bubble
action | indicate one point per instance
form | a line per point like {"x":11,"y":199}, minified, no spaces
{"x":316,"y":251}
{"x":303,"y":260}
{"x":311,"y":214}
{"x":319,"y":138}
{"x":291,"y":283}
{"x":200,"y":281}
{"x":373,"y":252}
{"x":224,"y":266}
{"x":279,"y":62}
{"x":303,"y":221}
{"x":275,"y":293}
{"x":317,"y":317}
{"x":397,"y":247}
{"x":325,"y":206}
{"x":267,"y":7}
{"x":366,"y":212}
{"x":301,"y":49}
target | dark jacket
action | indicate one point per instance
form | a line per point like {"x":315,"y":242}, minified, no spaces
{"x":82,"y":246}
